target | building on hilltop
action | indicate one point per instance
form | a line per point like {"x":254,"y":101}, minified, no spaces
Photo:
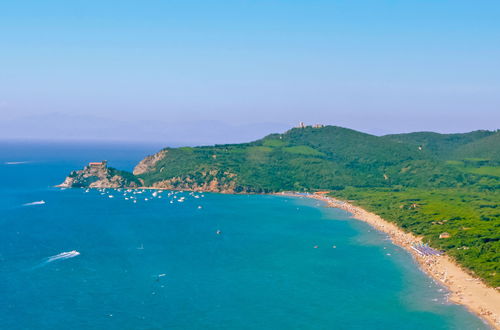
{"x":302,"y":125}
{"x":102,"y":164}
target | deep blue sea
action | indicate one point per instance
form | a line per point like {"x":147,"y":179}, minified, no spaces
{"x":84,"y":260}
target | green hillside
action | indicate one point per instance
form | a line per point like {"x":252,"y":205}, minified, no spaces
{"x":443,"y":146}
{"x":487,"y":148}
{"x":306,"y":159}
{"x":476,"y":153}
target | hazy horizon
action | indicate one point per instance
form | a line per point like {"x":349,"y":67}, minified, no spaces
{"x":62,"y":128}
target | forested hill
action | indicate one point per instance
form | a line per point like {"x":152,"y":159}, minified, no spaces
{"x":477,"y":144}
{"x":306,"y":159}
{"x":487,"y":149}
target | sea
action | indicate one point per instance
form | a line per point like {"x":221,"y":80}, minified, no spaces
{"x":78,"y":259}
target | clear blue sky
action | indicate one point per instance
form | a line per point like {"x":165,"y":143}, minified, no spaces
{"x":378,"y":66}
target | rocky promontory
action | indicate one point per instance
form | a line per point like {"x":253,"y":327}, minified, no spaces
{"x":99,"y":175}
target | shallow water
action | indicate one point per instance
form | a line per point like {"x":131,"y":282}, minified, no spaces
{"x":84,"y":260}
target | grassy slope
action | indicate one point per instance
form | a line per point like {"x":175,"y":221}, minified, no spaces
{"x":486,"y":148}
{"x":442,"y":146}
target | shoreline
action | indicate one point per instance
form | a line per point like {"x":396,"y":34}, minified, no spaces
{"x":464,"y":289}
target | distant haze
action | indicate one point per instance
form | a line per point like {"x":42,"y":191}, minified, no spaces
{"x":202,"y":72}
{"x":60,"y":127}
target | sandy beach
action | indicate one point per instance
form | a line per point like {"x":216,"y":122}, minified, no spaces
{"x":464,"y":289}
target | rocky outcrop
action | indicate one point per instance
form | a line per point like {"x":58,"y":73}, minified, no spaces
{"x":148,"y":164}
{"x":100,"y":177}
{"x":213,"y":181}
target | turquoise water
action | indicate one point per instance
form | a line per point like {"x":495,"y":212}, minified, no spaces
{"x":261,"y":271}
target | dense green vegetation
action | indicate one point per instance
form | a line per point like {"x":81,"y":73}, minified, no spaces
{"x":488,"y":147}
{"x":127,"y":176}
{"x":309,"y":158}
{"x":427,"y":183}
{"x":447,"y":146}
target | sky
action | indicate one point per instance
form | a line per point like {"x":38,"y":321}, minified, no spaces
{"x":227,"y":71}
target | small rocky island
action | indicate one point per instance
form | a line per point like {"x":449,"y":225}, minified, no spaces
{"x":99,"y":175}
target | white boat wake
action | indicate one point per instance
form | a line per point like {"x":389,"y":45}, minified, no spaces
{"x":60,"y":256}
{"x":16,"y":163}
{"x":35,"y":203}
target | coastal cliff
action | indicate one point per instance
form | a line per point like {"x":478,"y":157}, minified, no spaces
{"x":98,"y":175}
{"x":148,"y":164}
{"x":211,"y":181}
